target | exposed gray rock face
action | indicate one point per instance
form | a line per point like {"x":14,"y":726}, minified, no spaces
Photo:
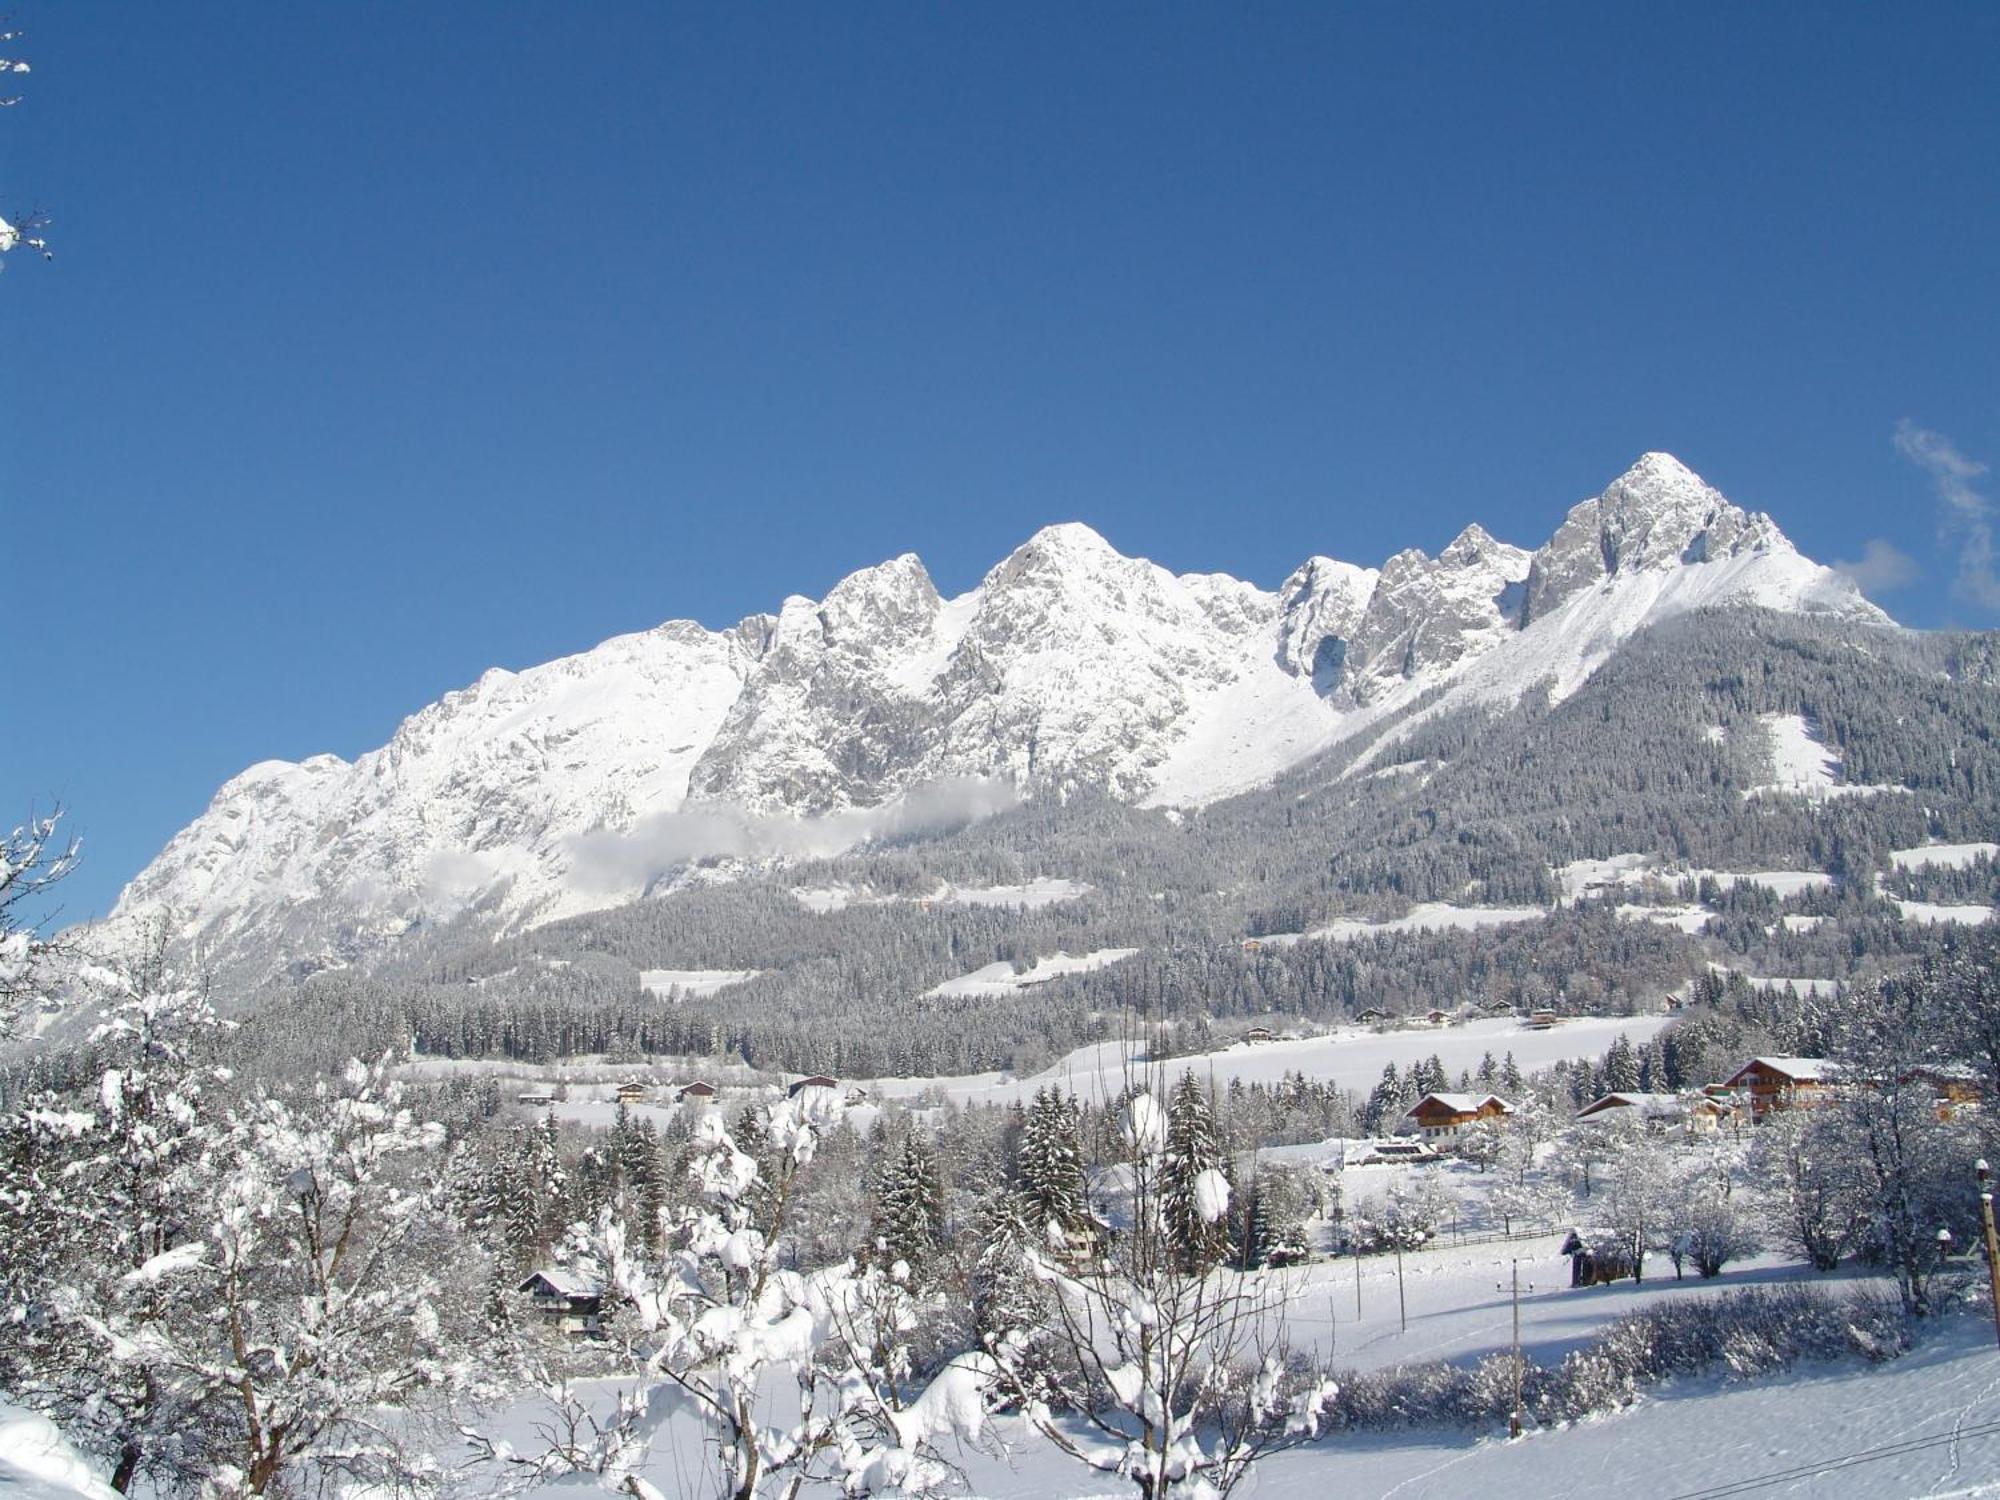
{"x":1657,"y":514}
{"x":1428,"y":614}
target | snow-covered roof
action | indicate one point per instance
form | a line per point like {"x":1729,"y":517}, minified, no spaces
{"x":1798,"y":1069}
{"x":563,"y":1283}
{"x":1645,"y":1104}
{"x":1463,"y":1104}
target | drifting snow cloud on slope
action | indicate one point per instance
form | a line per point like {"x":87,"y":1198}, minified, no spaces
{"x":605,"y":860}
{"x":1882,"y":568}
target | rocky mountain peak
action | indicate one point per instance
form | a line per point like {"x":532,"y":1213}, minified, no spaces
{"x":1657,"y":514}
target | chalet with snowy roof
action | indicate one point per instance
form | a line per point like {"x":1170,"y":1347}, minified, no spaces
{"x":536,"y":1097}
{"x":1768,"y":1083}
{"x":1259,"y":1034}
{"x":1542,"y":1020}
{"x":1692,"y":1113}
{"x":633,"y":1092}
{"x":1373,"y":1016}
{"x":1438,"y":1117}
{"x":817,"y":1081}
{"x":565,"y":1299}
{"x":699,"y":1092}
{"x":1440,"y":1017}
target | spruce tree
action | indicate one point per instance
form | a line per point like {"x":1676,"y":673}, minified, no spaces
{"x":1050,"y":1169}
{"x":1193,"y":1149}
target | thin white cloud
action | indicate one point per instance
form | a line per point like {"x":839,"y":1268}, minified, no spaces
{"x":1882,"y":568}
{"x":1967,"y":519}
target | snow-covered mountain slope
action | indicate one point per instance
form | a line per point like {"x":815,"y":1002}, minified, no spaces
{"x":579,"y":784}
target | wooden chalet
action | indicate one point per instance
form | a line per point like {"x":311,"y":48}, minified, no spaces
{"x":565,"y":1300}
{"x":1768,"y":1083}
{"x":1440,"y":1017}
{"x":633,"y":1092}
{"x":817,"y":1081}
{"x":535,"y":1097}
{"x":1442,"y":1116}
{"x":701,"y":1091}
{"x":1542,"y":1020}
{"x":1373,"y":1016}
{"x":1259,"y":1034}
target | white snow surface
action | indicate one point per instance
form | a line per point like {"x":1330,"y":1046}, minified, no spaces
{"x":997,"y":980}
{"x":1425,"y":916}
{"x":1927,"y":911}
{"x":1942,"y":856}
{"x":883,"y":708}
{"x":1350,"y":1058}
{"x":38,"y":1463}
{"x":1043,"y":890}
{"x":692,"y":984}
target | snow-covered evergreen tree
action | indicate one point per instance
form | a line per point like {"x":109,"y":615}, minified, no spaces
{"x":1194,"y":1187}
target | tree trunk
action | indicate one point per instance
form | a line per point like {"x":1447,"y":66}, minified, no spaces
{"x":128,"y":1466}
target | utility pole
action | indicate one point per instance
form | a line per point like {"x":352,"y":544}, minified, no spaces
{"x":1514,"y":1417}
{"x":1992,"y":1245}
{"x":1357,"y":1284}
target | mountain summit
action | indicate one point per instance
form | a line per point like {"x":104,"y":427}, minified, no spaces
{"x":580,"y":783}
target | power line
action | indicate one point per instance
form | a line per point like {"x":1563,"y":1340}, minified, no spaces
{"x":1851,"y":1460}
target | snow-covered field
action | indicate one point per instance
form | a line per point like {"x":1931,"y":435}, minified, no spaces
{"x":1044,"y":890}
{"x":1926,"y":1425}
{"x":1687,"y":918}
{"x":1352,"y":1058}
{"x":1597,"y":877}
{"x":1426,"y":916}
{"x":998,"y":980}
{"x":1928,"y":911}
{"x":691,"y":984}
{"x":1943,"y":856}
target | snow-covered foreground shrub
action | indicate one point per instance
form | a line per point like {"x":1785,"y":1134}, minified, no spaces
{"x":1754,"y":1332}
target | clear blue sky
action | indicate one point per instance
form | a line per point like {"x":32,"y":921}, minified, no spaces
{"x":389,"y":343}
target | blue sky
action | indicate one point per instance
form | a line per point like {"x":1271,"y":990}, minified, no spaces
{"x":389,"y":343}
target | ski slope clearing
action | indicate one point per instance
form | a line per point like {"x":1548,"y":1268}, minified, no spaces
{"x":1942,"y":856}
{"x":1352,"y":1058}
{"x":1803,"y":765}
{"x":691,"y":984}
{"x":998,"y":980}
{"x":1426,"y":916}
{"x":1031,"y":896}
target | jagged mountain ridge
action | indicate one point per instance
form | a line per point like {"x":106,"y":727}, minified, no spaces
{"x":579,"y":783}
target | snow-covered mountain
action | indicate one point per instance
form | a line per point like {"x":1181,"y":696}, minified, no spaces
{"x":580,"y":783}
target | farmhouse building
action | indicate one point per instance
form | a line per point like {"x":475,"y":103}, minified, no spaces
{"x":1442,"y":1116}
{"x":564,"y":1299}
{"x":1768,"y":1083}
